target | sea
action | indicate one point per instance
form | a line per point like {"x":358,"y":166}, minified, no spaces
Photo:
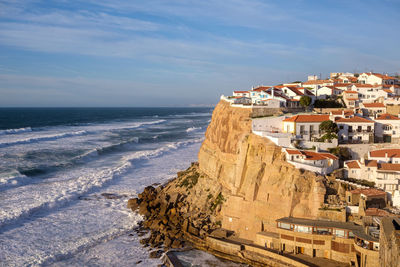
{"x":66,"y":175}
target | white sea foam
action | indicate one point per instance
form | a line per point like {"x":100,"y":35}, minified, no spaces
{"x":41,"y":138}
{"x":191,"y":129}
{"x":52,"y":195}
{"x":12,"y":179}
{"x":16,"y":131}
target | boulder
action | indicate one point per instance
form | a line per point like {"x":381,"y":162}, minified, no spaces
{"x":133,"y":203}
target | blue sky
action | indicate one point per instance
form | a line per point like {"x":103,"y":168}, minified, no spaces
{"x":179,"y":53}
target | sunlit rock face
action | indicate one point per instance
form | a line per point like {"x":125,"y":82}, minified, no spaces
{"x":258,"y":185}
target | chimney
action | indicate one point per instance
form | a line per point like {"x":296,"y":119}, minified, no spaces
{"x":386,"y":157}
{"x":362,"y":160}
{"x":316,"y":149}
{"x":272,"y":92}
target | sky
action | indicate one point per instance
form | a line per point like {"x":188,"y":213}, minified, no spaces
{"x":183,"y":52}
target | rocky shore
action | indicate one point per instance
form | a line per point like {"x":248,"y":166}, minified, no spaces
{"x":172,"y":217}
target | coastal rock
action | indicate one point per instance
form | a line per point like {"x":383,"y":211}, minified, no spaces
{"x":242,"y":183}
{"x":133,"y":203}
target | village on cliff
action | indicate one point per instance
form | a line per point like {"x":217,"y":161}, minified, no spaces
{"x":347,"y":127}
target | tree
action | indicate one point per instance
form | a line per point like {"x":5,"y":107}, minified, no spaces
{"x":330,"y":130}
{"x":305,"y":101}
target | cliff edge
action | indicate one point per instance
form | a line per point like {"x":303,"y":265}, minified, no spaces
{"x":241,"y":183}
{"x":258,"y":184}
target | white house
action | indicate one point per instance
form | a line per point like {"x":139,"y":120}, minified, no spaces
{"x":241,"y":93}
{"x":387,"y":128}
{"x":315,"y":84}
{"x":305,"y":127}
{"x":386,"y":176}
{"x":373,"y":109}
{"x":355,"y":130}
{"x":319,"y":162}
{"x":389,"y":155}
{"x":350,"y":98}
{"x":328,"y":92}
{"x":376,"y":78}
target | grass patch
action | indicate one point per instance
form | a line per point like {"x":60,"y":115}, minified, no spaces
{"x":190,"y":180}
{"x":217,"y":202}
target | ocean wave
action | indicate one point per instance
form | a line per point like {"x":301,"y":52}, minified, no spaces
{"x":12,"y":178}
{"x":42,"y":138}
{"x":15,"y":131}
{"x":191,"y":129}
{"x":52,"y":195}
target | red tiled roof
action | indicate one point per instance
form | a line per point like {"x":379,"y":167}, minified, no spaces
{"x":383,"y":77}
{"x":369,"y":192}
{"x":371,"y":163}
{"x":392,"y":153}
{"x":387,"y":116}
{"x":295,"y":90}
{"x":293,"y":152}
{"x":354,"y":119}
{"x":317,"y":82}
{"x":343,"y":84}
{"x":363,"y":85}
{"x":261,"y":88}
{"x":374,"y":105}
{"x":308,"y":118}
{"x":339,"y":112}
{"x":388,"y":91}
{"x":353,"y":164}
{"x":389,"y":167}
{"x":350,"y":92}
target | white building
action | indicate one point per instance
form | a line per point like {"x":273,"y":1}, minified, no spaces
{"x":386,"y":176}
{"x":319,"y":162}
{"x":387,"y":128}
{"x":376,"y":78}
{"x":241,"y":93}
{"x":328,"y":92}
{"x":305,"y":127}
{"x":350,"y":98}
{"x":372,"y":109}
{"x":355,"y":130}
{"x":385,"y":155}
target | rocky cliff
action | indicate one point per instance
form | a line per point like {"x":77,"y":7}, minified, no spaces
{"x":258,"y":185}
{"x":241,"y":183}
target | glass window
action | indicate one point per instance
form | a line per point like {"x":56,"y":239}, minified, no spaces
{"x":284,"y":226}
{"x":323,"y":231}
{"x":302,"y":229}
{"x":351,"y":235}
{"x":339,"y":233}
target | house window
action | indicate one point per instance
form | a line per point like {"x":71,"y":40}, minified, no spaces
{"x":341,"y":127}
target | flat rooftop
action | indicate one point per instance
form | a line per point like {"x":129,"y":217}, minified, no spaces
{"x":356,"y":229}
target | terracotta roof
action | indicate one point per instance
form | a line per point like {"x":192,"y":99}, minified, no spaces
{"x":261,"y":88}
{"x":295,"y":90}
{"x":392,"y":153}
{"x":354,"y":119}
{"x":350,"y":92}
{"x":353,"y":164}
{"x":343,"y":84}
{"x":308,"y":118}
{"x":374,"y":105}
{"x":387,"y":116}
{"x":363,"y":85}
{"x":311,"y":155}
{"x":318,"y":82}
{"x":293,"y":152}
{"x":240,"y":92}
{"x":369,"y":192}
{"x":383,"y":77}
{"x":371,"y":163}
{"x":339,"y":112}
{"x":389,"y":167}
{"x":376,"y":212}
{"x":388,"y":91}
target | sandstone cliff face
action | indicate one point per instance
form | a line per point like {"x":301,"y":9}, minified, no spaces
{"x":257,"y":184}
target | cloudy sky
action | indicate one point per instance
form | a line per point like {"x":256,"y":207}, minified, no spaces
{"x":183,"y":52}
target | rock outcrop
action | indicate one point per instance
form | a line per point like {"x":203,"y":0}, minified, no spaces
{"x":259,"y":185}
{"x":241,"y":183}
